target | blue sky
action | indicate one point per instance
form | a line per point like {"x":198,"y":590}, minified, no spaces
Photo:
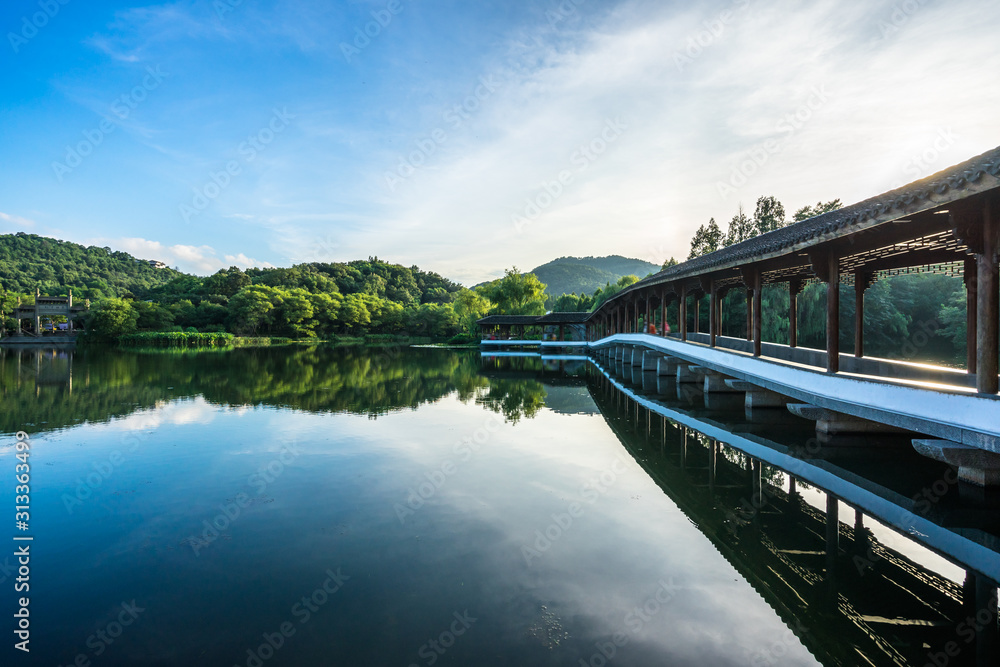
{"x":466,"y":137}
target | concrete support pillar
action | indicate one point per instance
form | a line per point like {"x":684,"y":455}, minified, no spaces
{"x":685,"y":375}
{"x":666,"y":366}
{"x":988,"y":303}
{"x":829,"y":422}
{"x":833,"y":314}
{"x":715,"y":383}
{"x":975,"y":466}
{"x":650,"y":360}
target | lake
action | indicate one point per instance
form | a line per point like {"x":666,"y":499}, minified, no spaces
{"x":423,"y":506}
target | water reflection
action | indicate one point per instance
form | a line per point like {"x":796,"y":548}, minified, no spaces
{"x":544,"y":497}
{"x":837,"y":576}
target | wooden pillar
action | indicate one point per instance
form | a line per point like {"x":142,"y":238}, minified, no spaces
{"x":713,"y":314}
{"x":749,"y":329}
{"x":833,"y":314}
{"x":697,"y":314}
{"x":971,"y":308}
{"x":860,"y":285}
{"x":663,"y":313}
{"x":757,"y":315}
{"x":794,"y":287}
{"x":649,"y":310}
{"x":683,"y":323}
{"x":988,"y":303}
{"x":561,"y":333}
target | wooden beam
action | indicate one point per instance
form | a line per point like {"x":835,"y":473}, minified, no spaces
{"x":833,"y":314}
{"x":988,"y":302}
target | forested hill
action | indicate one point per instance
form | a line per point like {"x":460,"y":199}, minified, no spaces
{"x":28,"y":261}
{"x":584,"y":275}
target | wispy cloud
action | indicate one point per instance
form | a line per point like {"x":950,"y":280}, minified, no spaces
{"x":200,"y":260}
{"x":16,"y":221}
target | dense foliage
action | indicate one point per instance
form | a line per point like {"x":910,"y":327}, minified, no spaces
{"x":918,"y":316}
{"x":584,"y":275}
{"x":28,"y":261}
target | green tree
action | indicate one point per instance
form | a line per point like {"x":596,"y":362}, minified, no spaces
{"x":740,"y":229}
{"x":250,"y":309}
{"x":820,"y":208}
{"x":471,"y":306}
{"x":768,"y":216}
{"x":112,"y":318}
{"x":515,"y":294}
{"x":707,"y":239}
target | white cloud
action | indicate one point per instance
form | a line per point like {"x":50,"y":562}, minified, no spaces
{"x":860,"y":91}
{"x":16,"y":221}
{"x":201,"y":260}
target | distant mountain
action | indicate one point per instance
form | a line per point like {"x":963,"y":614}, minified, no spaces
{"x":583,"y":275}
{"x":28,"y":261}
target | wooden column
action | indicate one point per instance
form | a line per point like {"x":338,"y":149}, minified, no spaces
{"x":663,"y":313}
{"x":713,"y":314}
{"x":988,"y":303}
{"x":757,"y":314}
{"x":683,"y":323}
{"x":833,"y":314}
{"x":971,"y":311}
{"x":697,"y":314}
{"x":749,"y":312}
{"x":860,"y":285}
{"x":794,"y":287}
{"x":649,"y":310}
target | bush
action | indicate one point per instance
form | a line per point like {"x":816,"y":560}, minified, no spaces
{"x":176,"y":339}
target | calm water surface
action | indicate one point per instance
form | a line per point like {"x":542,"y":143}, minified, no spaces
{"x":320,"y":506}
